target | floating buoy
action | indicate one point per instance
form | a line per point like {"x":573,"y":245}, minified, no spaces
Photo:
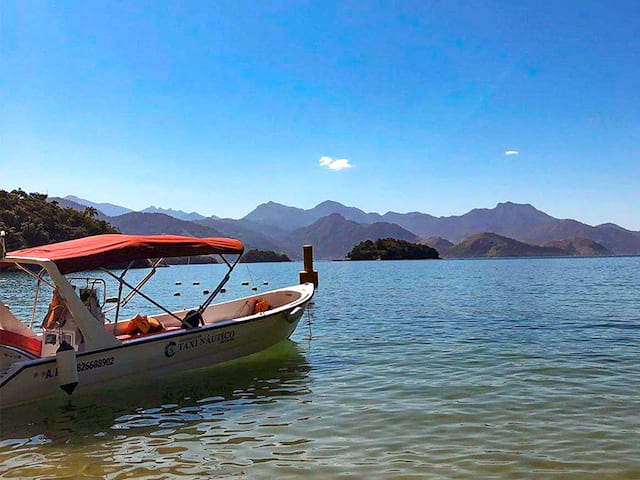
{"x":245,"y":283}
{"x":223,"y":290}
{"x":196,"y":283}
{"x":255,"y":289}
{"x":205,"y":292}
{"x":265,"y":283}
{"x":178,"y":283}
{"x":67,"y":367}
{"x":177,"y":294}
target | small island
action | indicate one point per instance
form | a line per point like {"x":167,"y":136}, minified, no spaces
{"x":391,"y":249}
{"x":258,"y":256}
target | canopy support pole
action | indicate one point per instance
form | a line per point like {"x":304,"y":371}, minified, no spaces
{"x":146,"y":297}
{"x":120,"y":281}
{"x":142,"y":283}
{"x":226,"y":278}
{"x":35,"y":300}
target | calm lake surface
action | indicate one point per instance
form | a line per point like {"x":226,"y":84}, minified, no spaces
{"x":513,"y":368}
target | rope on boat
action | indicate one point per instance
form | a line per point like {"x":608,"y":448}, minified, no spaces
{"x":253,"y":282}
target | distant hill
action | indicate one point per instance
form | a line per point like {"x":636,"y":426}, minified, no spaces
{"x":617,"y":239}
{"x":329,"y":207}
{"x":269,"y":226}
{"x":442,"y":245}
{"x":272,"y":213}
{"x":527,"y":224}
{"x":31,"y":220}
{"x":160,"y":224}
{"x":333,"y":236}
{"x":111,"y":210}
{"x":509,"y":219}
{"x":179,"y":214}
{"x":291,"y":218}
{"x":65,"y":203}
{"x":252,"y":238}
{"x":108,"y":209}
{"x":493,"y":245}
{"x":582,"y":247}
{"x":421,"y":224}
{"x":519,"y":221}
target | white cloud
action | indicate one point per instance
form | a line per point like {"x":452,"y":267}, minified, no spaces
{"x":512,"y":152}
{"x":337,"y":164}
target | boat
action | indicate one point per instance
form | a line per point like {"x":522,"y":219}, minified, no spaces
{"x":82,"y":342}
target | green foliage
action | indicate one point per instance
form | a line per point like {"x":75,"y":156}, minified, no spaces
{"x":391,"y":249}
{"x":30,"y":220}
{"x":257,"y":256}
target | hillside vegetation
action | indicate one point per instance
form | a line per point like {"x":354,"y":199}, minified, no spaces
{"x":391,"y":249}
{"x":30,"y":220}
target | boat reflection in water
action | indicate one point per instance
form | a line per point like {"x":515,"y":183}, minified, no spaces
{"x":219,"y":399}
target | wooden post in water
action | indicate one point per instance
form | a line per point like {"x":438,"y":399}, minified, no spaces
{"x":308,"y":274}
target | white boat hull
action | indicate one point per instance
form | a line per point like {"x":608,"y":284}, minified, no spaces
{"x":160,"y":354}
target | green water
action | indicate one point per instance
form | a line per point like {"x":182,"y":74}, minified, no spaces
{"x":523,"y":368}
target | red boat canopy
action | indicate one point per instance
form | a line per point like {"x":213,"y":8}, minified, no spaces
{"x":98,"y":251}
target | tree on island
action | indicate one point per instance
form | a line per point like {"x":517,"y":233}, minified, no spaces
{"x":91,"y":212}
{"x":30,"y":220}
{"x":257,"y":256}
{"x":391,"y":249}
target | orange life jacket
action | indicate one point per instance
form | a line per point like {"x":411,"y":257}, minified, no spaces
{"x":57,"y":312}
{"x":261,"y":306}
{"x":146,"y":324}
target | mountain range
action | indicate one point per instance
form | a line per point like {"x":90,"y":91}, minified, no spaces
{"x":335,"y":228}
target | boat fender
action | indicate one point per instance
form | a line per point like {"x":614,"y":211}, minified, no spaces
{"x":295,"y":314}
{"x":192,"y":319}
{"x":261,"y":306}
{"x":67,"y":367}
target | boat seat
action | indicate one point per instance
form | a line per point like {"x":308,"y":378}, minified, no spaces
{"x":130,"y":327}
{"x":30,"y":345}
{"x":132,"y":336}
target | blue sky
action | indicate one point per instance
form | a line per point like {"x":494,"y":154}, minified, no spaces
{"x":219,"y":106}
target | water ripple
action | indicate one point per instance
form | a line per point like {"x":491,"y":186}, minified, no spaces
{"x":525,"y":368}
